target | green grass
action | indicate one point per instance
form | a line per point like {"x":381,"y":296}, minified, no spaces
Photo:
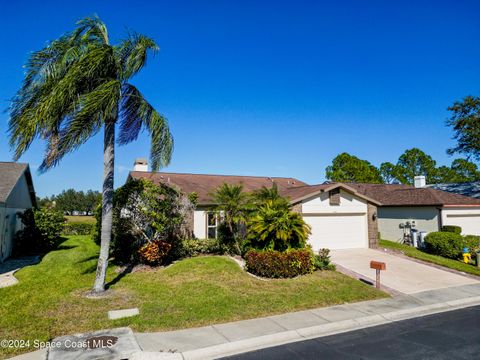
{"x":435,"y":259}
{"x":80,"y":219}
{"x":48,"y":301}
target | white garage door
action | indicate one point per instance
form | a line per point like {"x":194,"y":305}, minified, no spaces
{"x":346,"y":231}
{"x":470,"y":223}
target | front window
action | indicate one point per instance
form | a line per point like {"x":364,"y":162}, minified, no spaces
{"x":212,"y":223}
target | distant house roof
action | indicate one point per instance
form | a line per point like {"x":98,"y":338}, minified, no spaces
{"x":471,"y":189}
{"x":204,"y":185}
{"x":406,"y":195}
{"x":10,"y":173}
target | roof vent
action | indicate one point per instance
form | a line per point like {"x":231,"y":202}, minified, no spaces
{"x":140,"y":164}
{"x":419,"y":181}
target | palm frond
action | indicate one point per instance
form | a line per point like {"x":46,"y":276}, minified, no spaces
{"x":92,"y":110}
{"x":91,"y":29}
{"x":133,"y":52}
{"x":137,"y":114}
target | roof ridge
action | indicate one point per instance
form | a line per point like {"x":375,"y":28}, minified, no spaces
{"x":230,"y":175}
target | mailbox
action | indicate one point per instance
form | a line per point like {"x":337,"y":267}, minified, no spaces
{"x":377,"y":265}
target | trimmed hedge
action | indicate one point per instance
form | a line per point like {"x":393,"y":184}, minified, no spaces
{"x":195,"y":247}
{"x":452,"y":228}
{"x":78,"y":228}
{"x":446,"y":244}
{"x":472,"y":242}
{"x":276,"y":264}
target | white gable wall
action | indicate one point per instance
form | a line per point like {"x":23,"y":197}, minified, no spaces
{"x":341,"y":226}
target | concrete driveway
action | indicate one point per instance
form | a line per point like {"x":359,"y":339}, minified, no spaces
{"x":403,"y":275}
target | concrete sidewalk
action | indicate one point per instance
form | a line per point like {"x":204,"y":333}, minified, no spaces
{"x":215,"y":341}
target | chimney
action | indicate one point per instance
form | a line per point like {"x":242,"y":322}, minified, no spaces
{"x":140,"y":164}
{"x":419,"y":181}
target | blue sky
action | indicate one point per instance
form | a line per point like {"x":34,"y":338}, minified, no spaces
{"x":268,"y":88}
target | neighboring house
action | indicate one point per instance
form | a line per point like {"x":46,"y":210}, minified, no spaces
{"x":341,"y":215}
{"x":16,"y":195}
{"x":426,"y":209}
{"x":471,"y":189}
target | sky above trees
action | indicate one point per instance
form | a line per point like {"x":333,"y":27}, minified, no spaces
{"x":270,"y":88}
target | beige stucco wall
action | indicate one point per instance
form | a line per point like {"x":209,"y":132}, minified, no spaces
{"x":427,"y":218}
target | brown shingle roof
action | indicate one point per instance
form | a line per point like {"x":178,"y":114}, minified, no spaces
{"x":10,"y":172}
{"x":204,"y":184}
{"x":406,"y":195}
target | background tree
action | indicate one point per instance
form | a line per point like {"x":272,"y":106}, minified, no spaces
{"x":388,"y":172}
{"x":415,"y":162}
{"x":461,"y":170}
{"x":78,"y":85}
{"x":349,"y":168}
{"x":465,"y":121}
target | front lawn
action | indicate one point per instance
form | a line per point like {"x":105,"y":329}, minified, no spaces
{"x":435,"y":259}
{"x":48,"y":301}
{"x":80,"y":219}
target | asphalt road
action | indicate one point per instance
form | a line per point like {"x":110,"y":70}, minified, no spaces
{"x":449,"y":335}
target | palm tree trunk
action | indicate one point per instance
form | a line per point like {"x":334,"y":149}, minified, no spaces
{"x":107,"y":205}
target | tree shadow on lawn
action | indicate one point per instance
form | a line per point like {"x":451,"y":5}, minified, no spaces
{"x":128,"y":269}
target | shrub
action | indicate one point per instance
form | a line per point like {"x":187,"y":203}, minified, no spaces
{"x":276,"y":264}
{"x":277,"y":228}
{"x":322,"y":260}
{"x":78,"y":228}
{"x":472,"y":242}
{"x":452,"y":228}
{"x":154,"y":253}
{"x":41,"y":231}
{"x":195,"y":247}
{"x":446,"y":244}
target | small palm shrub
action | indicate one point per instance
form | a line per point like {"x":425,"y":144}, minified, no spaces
{"x":276,"y":264}
{"x":322,"y":260}
{"x":276,"y":228}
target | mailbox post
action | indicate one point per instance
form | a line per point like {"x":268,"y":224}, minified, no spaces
{"x":377,"y":265}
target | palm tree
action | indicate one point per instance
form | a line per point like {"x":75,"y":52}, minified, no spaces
{"x":264,"y":194}
{"x":277,"y":228}
{"x":233,"y":205}
{"x":78,"y":85}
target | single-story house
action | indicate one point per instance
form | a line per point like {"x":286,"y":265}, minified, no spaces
{"x":340,"y":215}
{"x":16,"y":195}
{"x":405,"y":207}
{"x":471,"y":188}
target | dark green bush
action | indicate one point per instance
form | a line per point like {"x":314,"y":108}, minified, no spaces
{"x":78,"y":228}
{"x":276,"y":264}
{"x":195,"y":247}
{"x":472,"y":242}
{"x":41,"y":231}
{"x":446,"y":244}
{"x":452,"y":229}
{"x":322,"y":260}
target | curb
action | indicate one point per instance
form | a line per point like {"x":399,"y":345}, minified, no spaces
{"x":281,"y":338}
